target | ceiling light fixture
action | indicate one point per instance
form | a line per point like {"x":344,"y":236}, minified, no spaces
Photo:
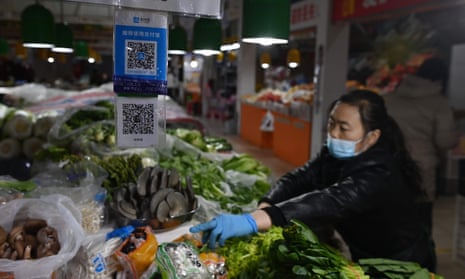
{"x":94,"y":57}
{"x":64,"y":41}
{"x":231,"y":43}
{"x":37,"y":27}
{"x":20,"y":50}
{"x":81,"y":50}
{"x":207,"y":36}
{"x":4,"y":47}
{"x":194,"y":63}
{"x":265,"y":60}
{"x":63,"y":35}
{"x":266,"y":22}
{"x":293,"y":58}
{"x":177,"y":41}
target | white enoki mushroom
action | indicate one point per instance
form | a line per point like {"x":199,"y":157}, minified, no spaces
{"x":92,"y":213}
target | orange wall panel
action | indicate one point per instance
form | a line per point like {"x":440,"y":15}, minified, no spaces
{"x":291,"y":139}
{"x":251,"y":119}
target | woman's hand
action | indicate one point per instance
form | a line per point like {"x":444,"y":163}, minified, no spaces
{"x":225,"y":226}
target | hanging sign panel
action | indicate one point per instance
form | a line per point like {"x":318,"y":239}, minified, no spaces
{"x":347,"y":9}
{"x":206,"y":8}
{"x":137,"y":122}
{"x":140,"y":53}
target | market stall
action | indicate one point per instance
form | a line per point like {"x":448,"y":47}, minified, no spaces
{"x":92,"y":209}
{"x":280,"y":121}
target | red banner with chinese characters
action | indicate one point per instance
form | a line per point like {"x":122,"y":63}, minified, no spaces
{"x":347,"y":9}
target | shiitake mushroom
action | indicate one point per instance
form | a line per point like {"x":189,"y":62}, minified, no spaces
{"x":29,"y":240}
{"x":3,"y":235}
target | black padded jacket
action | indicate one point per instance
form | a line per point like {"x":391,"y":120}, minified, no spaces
{"x":365,"y":198}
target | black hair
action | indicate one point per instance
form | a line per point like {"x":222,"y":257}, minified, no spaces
{"x":434,"y":69}
{"x":373,"y":114}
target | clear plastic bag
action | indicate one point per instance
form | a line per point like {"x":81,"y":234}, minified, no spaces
{"x":60,"y":213}
{"x":137,"y":253}
{"x":95,"y":259}
{"x":81,"y":182}
{"x":97,"y":137}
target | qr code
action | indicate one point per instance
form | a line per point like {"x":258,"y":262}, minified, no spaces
{"x":138,"y":119}
{"x":140,"y":57}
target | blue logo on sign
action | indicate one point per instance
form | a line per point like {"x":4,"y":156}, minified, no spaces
{"x":140,"y":56}
{"x":135,"y":19}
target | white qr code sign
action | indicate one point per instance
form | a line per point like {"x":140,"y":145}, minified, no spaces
{"x":136,"y":122}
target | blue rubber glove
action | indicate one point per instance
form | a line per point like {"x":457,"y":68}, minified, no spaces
{"x":225,"y":226}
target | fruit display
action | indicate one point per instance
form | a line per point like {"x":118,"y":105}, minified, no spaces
{"x":298,"y":93}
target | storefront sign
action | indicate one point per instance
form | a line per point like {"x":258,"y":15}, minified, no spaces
{"x":304,"y":14}
{"x":347,"y":9}
{"x":210,"y":8}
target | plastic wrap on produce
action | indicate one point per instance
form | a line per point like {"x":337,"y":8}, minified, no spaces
{"x":61,"y":214}
{"x":81,"y":182}
{"x":33,"y":93}
{"x":89,"y":137}
{"x":94,"y":260}
{"x":58,"y":101}
{"x":208,"y":209}
{"x":173,"y":142}
{"x":241,"y":179}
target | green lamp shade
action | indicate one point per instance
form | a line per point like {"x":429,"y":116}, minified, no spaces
{"x":81,"y":50}
{"x":207,"y":36}
{"x":37,"y":27}
{"x":64,"y":39}
{"x":4,"y":47}
{"x":177,"y":43}
{"x":266,"y":22}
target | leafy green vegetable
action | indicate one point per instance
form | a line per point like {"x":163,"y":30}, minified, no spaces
{"x":9,"y":148}
{"x":121,"y":170}
{"x":394,"y":269}
{"x":204,"y":143}
{"x":290,"y":252}
{"x":22,"y":186}
{"x":207,"y":178}
{"x":54,"y":154}
{"x":247,"y":164}
{"x":19,"y":124}
{"x":248,"y":257}
{"x":84,"y":117}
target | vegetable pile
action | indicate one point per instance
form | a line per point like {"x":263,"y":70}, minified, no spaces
{"x":22,"y":134}
{"x":203,"y":143}
{"x":392,"y":269}
{"x":209,"y":180}
{"x":290,"y":252}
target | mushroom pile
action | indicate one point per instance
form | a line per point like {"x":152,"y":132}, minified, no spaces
{"x":158,"y":197}
{"x":29,"y":239}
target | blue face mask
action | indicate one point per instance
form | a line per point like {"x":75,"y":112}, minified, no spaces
{"x":342,"y":149}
